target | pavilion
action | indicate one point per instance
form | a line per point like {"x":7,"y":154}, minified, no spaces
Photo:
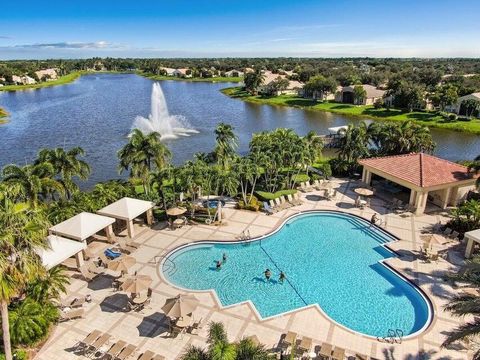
{"x":128,"y":209}
{"x":60,"y":249}
{"x":445,"y":182}
{"x":471,"y":237}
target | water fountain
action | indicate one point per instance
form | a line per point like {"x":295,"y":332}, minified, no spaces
{"x":159,"y":120}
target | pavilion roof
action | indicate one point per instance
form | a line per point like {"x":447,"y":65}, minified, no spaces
{"x":126,"y":208}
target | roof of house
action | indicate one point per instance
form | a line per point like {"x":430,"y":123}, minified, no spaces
{"x":420,"y":169}
{"x":126,"y":208}
{"x":469,"y":96}
{"x":372,"y":91}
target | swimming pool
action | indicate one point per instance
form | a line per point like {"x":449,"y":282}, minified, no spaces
{"x":330,"y":259}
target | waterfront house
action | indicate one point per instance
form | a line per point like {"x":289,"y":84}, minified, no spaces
{"x":459,"y":107}
{"x":48,"y":74}
{"x":184,"y":72}
{"x":346,"y":95}
{"x":233,"y":73}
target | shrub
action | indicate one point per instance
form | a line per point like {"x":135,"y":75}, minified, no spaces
{"x":378,"y":104}
{"x":17,"y":355}
{"x":253,"y":205}
{"x":452,"y":117}
{"x":266,"y":196}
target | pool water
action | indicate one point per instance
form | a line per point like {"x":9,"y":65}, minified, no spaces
{"x":330,"y":259}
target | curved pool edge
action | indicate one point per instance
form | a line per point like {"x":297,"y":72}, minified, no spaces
{"x":252,"y":306}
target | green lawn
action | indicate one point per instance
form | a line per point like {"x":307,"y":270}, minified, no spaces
{"x":429,"y":119}
{"x":215,"y":79}
{"x":60,"y":81}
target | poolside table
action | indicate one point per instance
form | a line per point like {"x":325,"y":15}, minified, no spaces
{"x":184,"y":321}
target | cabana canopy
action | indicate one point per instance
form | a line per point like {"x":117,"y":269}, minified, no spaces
{"x":128,"y":209}
{"x":82,"y":226}
{"x":471,"y":237}
{"x":59,"y":249}
{"x":423,"y":174}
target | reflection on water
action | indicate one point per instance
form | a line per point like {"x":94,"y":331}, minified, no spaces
{"x":96,"y":112}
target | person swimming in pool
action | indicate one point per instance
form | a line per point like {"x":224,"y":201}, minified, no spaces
{"x":282,"y":277}
{"x":224,"y":258}
{"x":268,"y":274}
{"x":219,"y":265}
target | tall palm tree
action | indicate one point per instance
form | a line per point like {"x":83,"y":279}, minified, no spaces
{"x":49,"y":285}
{"x":22,"y":230}
{"x":142,"y":154}
{"x":32,"y":180}
{"x":66,"y":165}
{"x":353,"y":143}
{"x":227,"y":143}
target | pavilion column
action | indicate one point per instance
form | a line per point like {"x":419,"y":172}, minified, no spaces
{"x":366,"y":176}
{"x":446,"y":198}
{"x":150,"y":216}
{"x":79,"y":259}
{"x":421,"y":202}
{"x":413,"y":194}
{"x":130,"y":230}
{"x":454,"y":196}
{"x":110,"y":234}
{"x":469,"y":249}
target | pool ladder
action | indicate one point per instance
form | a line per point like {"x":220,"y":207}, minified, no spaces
{"x":394,"y":336}
{"x":169,"y":266}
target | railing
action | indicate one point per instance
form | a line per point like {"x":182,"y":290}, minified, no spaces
{"x":172,"y":267}
{"x":393,"y":336}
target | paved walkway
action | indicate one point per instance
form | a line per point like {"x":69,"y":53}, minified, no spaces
{"x":145,"y":329}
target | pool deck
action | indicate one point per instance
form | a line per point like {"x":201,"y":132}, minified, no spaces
{"x":147,"y":329}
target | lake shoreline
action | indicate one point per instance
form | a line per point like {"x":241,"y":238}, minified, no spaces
{"x":3,"y":115}
{"x":430,"y":120}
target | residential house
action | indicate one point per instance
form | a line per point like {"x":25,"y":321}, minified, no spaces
{"x":233,"y":73}
{"x":169,"y":71}
{"x":23,"y":80}
{"x":48,"y":74}
{"x":293,"y":86}
{"x":17,"y":80}
{"x":182,"y":73}
{"x":459,"y":107}
{"x":346,"y":95}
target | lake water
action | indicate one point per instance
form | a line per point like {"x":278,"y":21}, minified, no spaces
{"x":96,"y":112}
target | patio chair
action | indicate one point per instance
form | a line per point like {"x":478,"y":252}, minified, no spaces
{"x":437,"y":228}
{"x":305,"y":344}
{"x":147,"y":355}
{"x":195,"y":327}
{"x":124,"y":247}
{"x":94,"y":268}
{"x":267,"y":208}
{"x":104,"y":260}
{"x":325,"y":351}
{"x":279,"y":204}
{"x":115,"y":350}
{"x":73,"y":303}
{"x":98,"y":344}
{"x":87,"y":340}
{"x":285,"y":202}
{"x":86,"y":274}
{"x":290,"y":199}
{"x":273,"y":206}
{"x":127,"y":352}
{"x":109,"y":253}
{"x":72,"y":314}
{"x":316,"y":185}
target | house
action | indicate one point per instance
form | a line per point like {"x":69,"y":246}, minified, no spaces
{"x":346,"y":95}
{"x":233,"y":73}
{"x":17,"y":79}
{"x":27,"y":80}
{"x":459,"y":107}
{"x":293,"y":86}
{"x":182,"y":73}
{"x":48,"y":74}
{"x":169,"y":71}
{"x":247,"y":70}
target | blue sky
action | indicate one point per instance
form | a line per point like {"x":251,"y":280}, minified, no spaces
{"x":320,"y":28}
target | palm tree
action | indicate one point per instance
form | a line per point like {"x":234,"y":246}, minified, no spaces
{"x":32,"y":180}
{"x":142,"y":154}
{"x":227,"y":143}
{"x":66,"y":165}
{"x":49,"y":285}
{"x":353,"y":143}
{"x":475,"y":167}
{"x":466,"y":305}
{"x":22,"y":230}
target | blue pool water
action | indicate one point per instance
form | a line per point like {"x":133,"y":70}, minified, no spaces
{"x":330,"y":259}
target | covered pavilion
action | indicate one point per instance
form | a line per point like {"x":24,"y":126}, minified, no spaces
{"x":128,"y":209}
{"x":445,"y":182}
{"x":471,"y":237}
{"x":60,"y":249}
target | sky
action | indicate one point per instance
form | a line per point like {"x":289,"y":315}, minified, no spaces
{"x":32,"y":29}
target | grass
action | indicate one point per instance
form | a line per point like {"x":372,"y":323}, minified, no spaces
{"x":60,"y":81}
{"x":430,"y":119}
{"x":214,"y":79}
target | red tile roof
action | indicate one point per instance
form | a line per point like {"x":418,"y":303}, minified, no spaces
{"x":420,"y":169}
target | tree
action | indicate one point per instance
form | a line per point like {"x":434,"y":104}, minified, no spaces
{"x":472,"y":107}
{"x":66,"y":165}
{"x":48,"y":285}
{"x":33,"y":180}
{"x":253,"y":80}
{"x":444,"y":96}
{"x":319,"y":87}
{"x":142,"y":154}
{"x":359,"y":94}
{"x":475,"y":167}
{"x":406,"y":95}
{"x":22,"y":230}
{"x":277,"y":85}
{"x":227,"y":143}
{"x":353,"y":143}
{"x":248,"y":171}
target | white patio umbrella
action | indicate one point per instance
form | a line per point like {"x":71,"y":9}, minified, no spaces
{"x":364,"y":191}
{"x":176,"y":211}
{"x":136,"y":284}
{"x":123,"y":263}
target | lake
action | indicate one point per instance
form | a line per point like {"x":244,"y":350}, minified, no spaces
{"x":96,"y":112}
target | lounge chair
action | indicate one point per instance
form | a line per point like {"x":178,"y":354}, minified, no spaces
{"x":72,"y":314}
{"x":267,"y":208}
{"x":127,"y":249}
{"x":273,"y":206}
{"x":361,"y":357}
{"x":454,"y":235}
{"x":306,"y":344}
{"x":195,"y":327}
{"x":94,"y":268}
{"x":104,"y":260}
{"x":325,"y":351}
{"x":86,"y":274}
{"x":296,"y":199}
{"x":338,"y":353}
{"x":290,"y":338}
{"x":290,"y":199}
{"x":308,"y":186}
{"x":279,"y":204}
{"x":98,"y":344}
{"x":147,"y":355}
{"x":284,"y":202}
{"x":88,"y":340}
{"x":115,"y":350}
{"x":447,"y":231}
{"x":109,"y":253}
{"x":159,"y":357}
{"x":302,"y":187}
{"x":73,"y":303}
{"x":127,"y":352}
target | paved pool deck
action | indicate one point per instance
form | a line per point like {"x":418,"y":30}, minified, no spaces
{"x":148,"y":330}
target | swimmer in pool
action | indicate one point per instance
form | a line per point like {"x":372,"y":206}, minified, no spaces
{"x":268,"y":274}
{"x":282,"y":277}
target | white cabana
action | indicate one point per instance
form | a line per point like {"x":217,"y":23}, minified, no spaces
{"x":471,"y":238}
{"x":127,"y":209}
{"x":83,"y":225}
{"x":60,"y":249}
